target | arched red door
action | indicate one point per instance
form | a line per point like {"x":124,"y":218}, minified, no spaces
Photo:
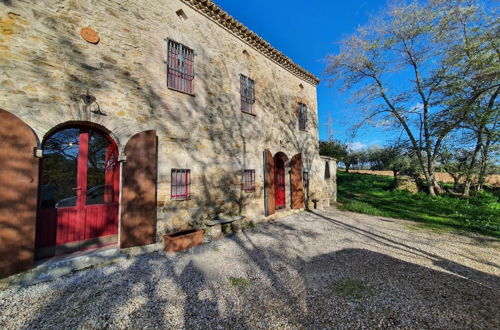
{"x":78,"y":198}
{"x":279,"y":181}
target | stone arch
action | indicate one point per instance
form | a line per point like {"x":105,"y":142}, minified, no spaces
{"x":283,"y":156}
{"x":117,"y":139}
{"x":18,"y":196}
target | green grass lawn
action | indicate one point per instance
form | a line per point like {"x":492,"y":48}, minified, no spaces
{"x":373,"y":194}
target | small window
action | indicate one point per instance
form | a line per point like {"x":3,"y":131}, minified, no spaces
{"x":302,"y":116}
{"x":180,"y":67}
{"x":180,"y":183}
{"x":249,"y":180}
{"x":181,"y":14}
{"x":305,"y":179}
{"x":327,"y":170}
{"x":247,"y":91}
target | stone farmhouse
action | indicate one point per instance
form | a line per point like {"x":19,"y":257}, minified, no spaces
{"x":121,"y":121}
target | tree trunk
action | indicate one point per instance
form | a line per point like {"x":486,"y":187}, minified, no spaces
{"x":467,"y":188}
{"x":456,"y":182}
{"x":472,"y":165}
{"x":347,"y":165}
{"x":433,"y":185}
{"x":484,"y":164}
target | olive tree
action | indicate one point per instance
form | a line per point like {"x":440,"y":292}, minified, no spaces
{"x":401,"y":67}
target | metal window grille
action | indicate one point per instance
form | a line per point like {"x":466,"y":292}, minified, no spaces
{"x":302,"y":116}
{"x":247,"y":91}
{"x":180,"y":183}
{"x":249,"y":180}
{"x":180,"y":67}
{"x":305,"y":179}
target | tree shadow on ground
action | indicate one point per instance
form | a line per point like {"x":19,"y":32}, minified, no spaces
{"x":348,"y":287}
{"x":481,"y":277}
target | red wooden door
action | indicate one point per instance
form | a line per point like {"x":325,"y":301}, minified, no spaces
{"x":78,"y":192}
{"x":279,"y":175}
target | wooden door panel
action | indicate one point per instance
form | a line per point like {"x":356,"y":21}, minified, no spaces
{"x":18,"y":194}
{"x":269,"y":182}
{"x":67,"y":225}
{"x":138,"y":201}
{"x":296,"y":185}
{"x":100,"y":220}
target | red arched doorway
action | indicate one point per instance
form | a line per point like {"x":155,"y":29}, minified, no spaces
{"x":78,"y":194}
{"x":279,"y":181}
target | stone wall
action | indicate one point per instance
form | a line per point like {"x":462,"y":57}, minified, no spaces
{"x":46,"y":68}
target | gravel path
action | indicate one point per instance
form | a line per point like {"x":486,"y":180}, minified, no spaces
{"x":330,"y":269}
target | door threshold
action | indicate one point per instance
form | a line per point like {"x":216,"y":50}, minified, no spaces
{"x":74,"y":248}
{"x":80,"y":253}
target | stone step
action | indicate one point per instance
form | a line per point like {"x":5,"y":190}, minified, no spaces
{"x":60,"y":266}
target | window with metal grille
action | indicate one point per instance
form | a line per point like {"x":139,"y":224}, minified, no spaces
{"x":302,"y":116}
{"x":180,"y":67}
{"x":305,"y":179}
{"x":247,"y":91}
{"x":180,"y":183}
{"x":249,"y":180}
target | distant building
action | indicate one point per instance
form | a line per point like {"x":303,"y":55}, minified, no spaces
{"x":122,"y":121}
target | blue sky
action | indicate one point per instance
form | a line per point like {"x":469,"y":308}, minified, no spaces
{"x":307,"y":31}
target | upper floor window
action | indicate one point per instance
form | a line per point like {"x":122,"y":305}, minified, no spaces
{"x":302,"y":116}
{"x":249,"y":180}
{"x":180,"y":183}
{"x":180,"y":67}
{"x":247,"y":91}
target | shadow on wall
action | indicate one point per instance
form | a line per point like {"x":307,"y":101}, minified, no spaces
{"x":282,"y":287}
{"x":228,"y":133}
{"x":18,"y":194}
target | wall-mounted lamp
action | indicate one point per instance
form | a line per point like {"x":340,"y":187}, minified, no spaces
{"x":89,"y":100}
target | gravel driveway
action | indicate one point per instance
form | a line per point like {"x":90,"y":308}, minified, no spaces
{"x":330,"y":269}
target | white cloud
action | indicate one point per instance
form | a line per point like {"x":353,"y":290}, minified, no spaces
{"x":417,"y":107}
{"x":356,"y":146}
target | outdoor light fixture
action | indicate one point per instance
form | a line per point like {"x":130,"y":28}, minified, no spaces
{"x":89,"y":99}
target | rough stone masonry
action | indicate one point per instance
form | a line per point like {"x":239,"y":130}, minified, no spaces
{"x":46,"y":67}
